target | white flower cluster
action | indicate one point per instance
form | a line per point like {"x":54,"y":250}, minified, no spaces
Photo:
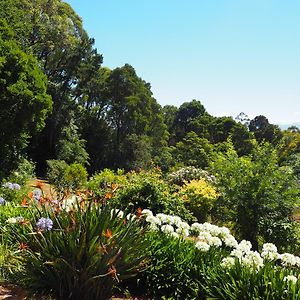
{"x":212,"y":235}
{"x":290,"y":279}
{"x":247,"y":257}
{"x":289,"y":260}
{"x":69,"y":204}
{"x":190,"y":173}
{"x":269,"y":252}
{"x":168,"y":224}
{"x":15,"y":220}
{"x":207,"y":235}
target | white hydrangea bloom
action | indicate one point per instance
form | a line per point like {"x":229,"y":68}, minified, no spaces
{"x":202,"y":246}
{"x":228,"y":262}
{"x":290,"y":279}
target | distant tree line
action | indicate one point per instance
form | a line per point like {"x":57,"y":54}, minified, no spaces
{"x":58,"y":102}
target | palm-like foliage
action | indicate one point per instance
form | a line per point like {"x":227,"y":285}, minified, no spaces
{"x":88,"y":250}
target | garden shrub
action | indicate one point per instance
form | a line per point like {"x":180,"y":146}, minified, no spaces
{"x":75,"y":176}
{"x":55,"y":174}
{"x":255,"y":192}
{"x":199,"y":197}
{"x":106,"y":181}
{"x":66,"y":178}
{"x":148,"y":190}
{"x":189,"y":173}
{"x":24,"y":172}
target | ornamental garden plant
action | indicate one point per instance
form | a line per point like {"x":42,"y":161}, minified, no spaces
{"x":93,"y":243}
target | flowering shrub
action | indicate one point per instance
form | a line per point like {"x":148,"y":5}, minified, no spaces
{"x":189,"y":173}
{"x":199,"y":197}
{"x":148,"y":190}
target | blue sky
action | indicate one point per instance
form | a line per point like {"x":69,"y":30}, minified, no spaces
{"x":232,"y":55}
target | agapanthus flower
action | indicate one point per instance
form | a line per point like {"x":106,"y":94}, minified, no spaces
{"x":228,"y":262}
{"x":37,"y":194}
{"x":202,"y":246}
{"x":11,"y":186}
{"x":2,"y":201}
{"x":183,"y":231}
{"x":288,"y":259}
{"x":16,"y":186}
{"x":175,"y":235}
{"x":15,"y":220}
{"x":167,"y":228}
{"x":230,"y":241}
{"x":8,"y":185}
{"x":117,"y":212}
{"x":215,"y":241}
{"x":252,"y":259}
{"x":269,"y":251}
{"x":290,"y":279}
{"x":147,"y":212}
{"x":44,"y":224}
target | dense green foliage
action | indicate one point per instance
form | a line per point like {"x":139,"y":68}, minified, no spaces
{"x":257,"y":195}
{"x":99,"y":117}
{"x":103,"y":142}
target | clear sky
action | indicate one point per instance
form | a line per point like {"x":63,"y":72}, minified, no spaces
{"x":233,"y":55}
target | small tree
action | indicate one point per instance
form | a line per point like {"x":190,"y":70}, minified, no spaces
{"x":71,"y":147}
{"x":257,"y":195}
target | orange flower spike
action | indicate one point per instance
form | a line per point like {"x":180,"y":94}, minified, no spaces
{"x":113,"y":271}
{"x":82,"y":204}
{"x":24,"y":222}
{"x":39,"y":184}
{"x":23,"y":246}
{"x":24,"y":202}
{"x":108,"y":196}
{"x":139,"y":213}
{"x":108,"y":233}
{"x":30,"y":195}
